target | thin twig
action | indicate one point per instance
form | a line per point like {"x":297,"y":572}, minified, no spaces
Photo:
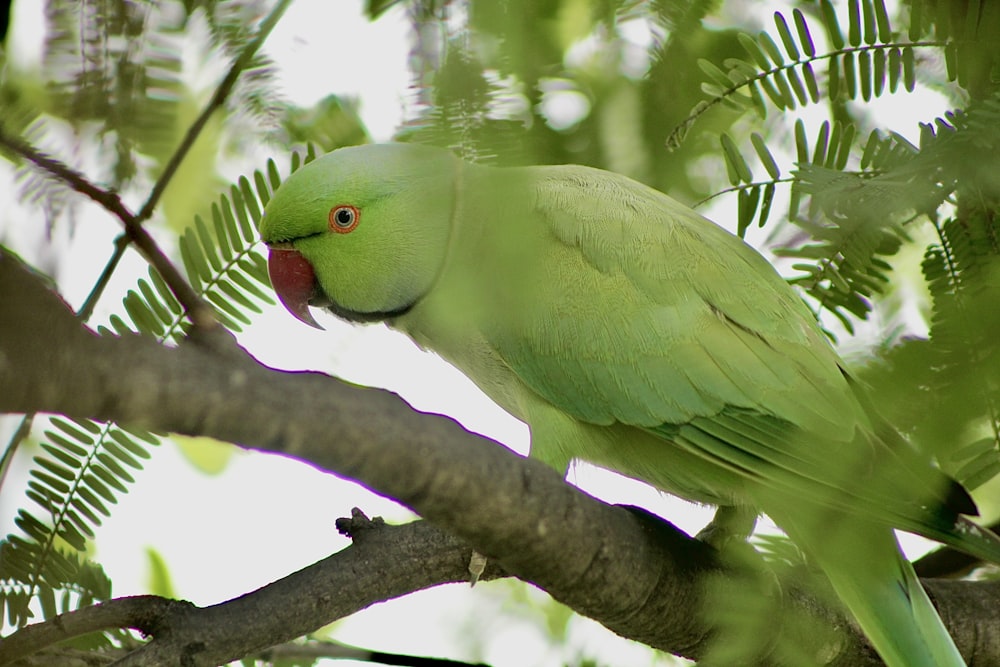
{"x":110,"y":201}
{"x":200,"y":312}
{"x":87,"y":309}
{"x":740,"y":186}
{"x":218,"y":99}
{"x":20,"y":435}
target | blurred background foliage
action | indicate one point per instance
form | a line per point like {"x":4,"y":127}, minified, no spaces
{"x":695,"y":97}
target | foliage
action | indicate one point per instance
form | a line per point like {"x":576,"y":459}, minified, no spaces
{"x":556,"y":81}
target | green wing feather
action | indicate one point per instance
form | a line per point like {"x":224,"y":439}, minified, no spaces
{"x":685,"y":319}
{"x":675,"y":326}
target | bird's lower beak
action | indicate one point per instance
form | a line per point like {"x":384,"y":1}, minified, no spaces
{"x":294,"y":281}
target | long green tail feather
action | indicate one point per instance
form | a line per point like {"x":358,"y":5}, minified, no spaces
{"x":873,"y":579}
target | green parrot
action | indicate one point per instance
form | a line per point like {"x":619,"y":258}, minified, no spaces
{"x":628,"y":331}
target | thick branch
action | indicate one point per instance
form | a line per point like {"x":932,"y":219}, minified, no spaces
{"x":643,"y":580}
{"x":384,"y":562}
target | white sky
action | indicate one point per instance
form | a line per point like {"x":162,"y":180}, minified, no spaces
{"x":267,"y":516}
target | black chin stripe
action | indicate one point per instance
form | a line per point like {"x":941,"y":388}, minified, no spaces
{"x":366,"y":317}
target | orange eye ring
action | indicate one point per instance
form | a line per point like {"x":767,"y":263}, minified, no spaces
{"x":343,"y":218}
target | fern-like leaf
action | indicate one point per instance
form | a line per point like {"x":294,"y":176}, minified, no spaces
{"x":754,"y":198}
{"x":867,"y":61}
{"x":84,"y":468}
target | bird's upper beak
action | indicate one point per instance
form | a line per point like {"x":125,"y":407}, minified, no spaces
{"x":293,"y":280}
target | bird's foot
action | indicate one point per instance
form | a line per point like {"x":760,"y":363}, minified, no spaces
{"x":731,"y":523}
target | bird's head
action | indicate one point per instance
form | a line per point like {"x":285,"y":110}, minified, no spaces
{"x":362,"y":231}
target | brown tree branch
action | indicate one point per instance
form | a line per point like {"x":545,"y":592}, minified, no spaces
{"x":201,"y":314}
{"x":642,"y":579}
{"x":384,"y":562}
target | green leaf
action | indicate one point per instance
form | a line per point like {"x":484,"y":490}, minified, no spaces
{"x":868,"y":13}
{"x":754,"y":50}
{"x":870,"y":147}
{"x":770,"y":48}
{"x":747,"y":208}
{"x":88,"y":495}
{"x":916,"y":20}
{"x":765,"y":207}
{"x":224,"y":308}
{"x":802,"y":28}
{"x":811,"y":83}
{"x":220,"y":224}
{"x":757,"y":100}
{"x":854,"y":22}
{"x":850,"y":78}
{"x":833,"y":78}
{"x":195,"y":264}
{"x":81,"y":431}
{"x":70,"y":447}
{"x":909,"y":69}
{"x":234,"y":294}
{"x":115,"y":468}
{"x":272,"y":176}
{"x":207,"y":245}
{"x":797,"y":87}
{"x":895,"y":68}
{"x":167,"y":297}
{"x":865,"y":75}
{"x":951,"y":60}
{"x":64,"y":457}
{"x":977,"y":448}
{"x":829,"y":15}
{"x":125,"y":440}
{"x":822,"y":143}
{"x":801,"y":143}
{"x":844,"y":146}
{"x":784,"y":89}
{"x":714,"y":73}
{"x":240,"y":207}
{"x":882,"y":19}
{"x":206,"y":454}
{"x":766,"y":158}
{"x":736,"y":165}
{"x":56,"y":469}
{"x":878,"y":73}
{"x":159,"y":581}
{"x":772,"y":93}
{"x":786,"y":36}
{"x":152,"y":301}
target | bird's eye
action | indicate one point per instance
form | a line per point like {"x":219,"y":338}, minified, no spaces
{"x":343,"y":218}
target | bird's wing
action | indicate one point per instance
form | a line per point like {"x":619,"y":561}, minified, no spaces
{"x":650,"y":315}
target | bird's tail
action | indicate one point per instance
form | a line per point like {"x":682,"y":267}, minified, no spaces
{"x":877,"y":584}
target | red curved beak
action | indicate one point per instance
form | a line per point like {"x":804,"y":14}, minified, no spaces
{"x":294,"y":281}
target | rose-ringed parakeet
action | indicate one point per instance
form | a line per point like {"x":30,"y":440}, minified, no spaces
{"x":628,"y":331}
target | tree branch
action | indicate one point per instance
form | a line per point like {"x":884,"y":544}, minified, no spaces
{"x":384,"y":562}
{"x":201,"y":314}
{"x":642,"y":579}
